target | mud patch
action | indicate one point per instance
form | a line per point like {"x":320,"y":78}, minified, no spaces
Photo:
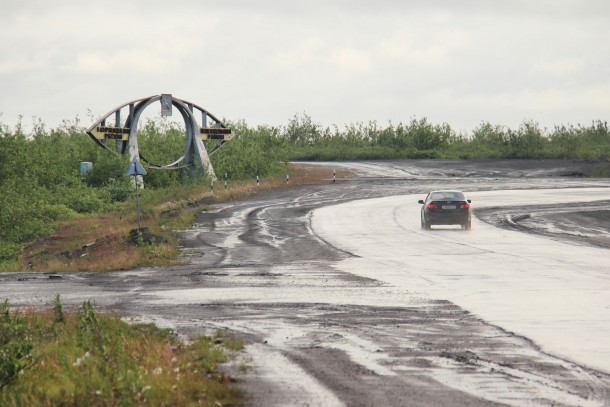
{"x":428,"y":355}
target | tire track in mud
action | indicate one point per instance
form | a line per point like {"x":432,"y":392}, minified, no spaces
{"x":431,"y":354}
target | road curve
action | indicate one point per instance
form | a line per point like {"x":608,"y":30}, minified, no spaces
{"x":556,"y":294}
{"x":359,"y":309}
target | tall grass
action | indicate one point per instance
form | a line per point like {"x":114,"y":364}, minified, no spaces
{"x":90,"y":359}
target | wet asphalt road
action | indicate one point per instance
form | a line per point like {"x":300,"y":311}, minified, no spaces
{"x":320,"y":335}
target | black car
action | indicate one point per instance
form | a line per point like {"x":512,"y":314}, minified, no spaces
{"x":445,"y":208}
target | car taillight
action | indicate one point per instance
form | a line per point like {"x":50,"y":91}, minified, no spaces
{"x":432,"y":206}
{"x":465,"y":206}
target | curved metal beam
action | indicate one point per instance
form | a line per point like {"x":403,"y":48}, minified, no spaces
{"x":127,"y":133}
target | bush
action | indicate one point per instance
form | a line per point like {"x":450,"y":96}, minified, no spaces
{"x":40,"y":182}
{"x":8,"y":251}
{"x":15,"y":345}
{"x":81,"y":199}
{"x":119,"y":190}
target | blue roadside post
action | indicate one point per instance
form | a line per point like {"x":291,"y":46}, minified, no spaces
{"x":136,"y":169}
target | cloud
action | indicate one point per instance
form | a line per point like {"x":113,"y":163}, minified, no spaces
{"x":315,"y":52}
{"x":576,"y":98}
{"x":590,"y":97}
{"x":159,"y":54}
{"x":351,"y":61}
{"x":404,"y":48}
{"x":11,"y":64}
{"x":338,"y":60}
{"x":134,"y":61}
{"x":305,"y":53}
{"x":560,"y":66}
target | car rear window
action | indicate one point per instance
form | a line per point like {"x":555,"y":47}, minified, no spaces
{"x":447,"y":196}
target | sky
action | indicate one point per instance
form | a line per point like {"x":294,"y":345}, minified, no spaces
{"x":338,"y":61}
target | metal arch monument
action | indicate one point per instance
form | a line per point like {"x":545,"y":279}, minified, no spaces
{"x":125,"y":132}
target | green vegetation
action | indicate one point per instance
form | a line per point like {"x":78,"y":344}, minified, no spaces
{"x":89,"y":359}
{"x":303,"y":139}
{"x":40,"y":183}
{"x":71,"y":222}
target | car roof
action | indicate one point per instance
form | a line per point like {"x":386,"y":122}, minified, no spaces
{"x":446,"y":190}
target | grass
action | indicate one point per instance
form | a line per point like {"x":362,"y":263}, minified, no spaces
{"x":601,"y":172}
{"x":86,"y":358}
{"x":101,"y":242}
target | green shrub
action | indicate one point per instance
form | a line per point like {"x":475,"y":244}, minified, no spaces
{"x":119,"y":190}
{"x":82,"y":199}
{"x":8,"y":251}
{"x":40,"y":182}
{"x":15,"y":345}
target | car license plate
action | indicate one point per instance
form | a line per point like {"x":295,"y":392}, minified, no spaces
{"x":448,"y":206}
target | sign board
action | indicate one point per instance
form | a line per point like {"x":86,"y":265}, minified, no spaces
{"x":135,"y":168}
{"x":111,"y":133}
{"x":216,"y":133}
{"x":166,"y":105}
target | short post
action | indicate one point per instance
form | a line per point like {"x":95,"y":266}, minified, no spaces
{"x":135,"y":170}
{"x":257,"y":181}
{"x":85,"y":168}
{"x":225,"y":180}
{"x":137,"y":201}
{"x":334,"y":176}
{"x":287,"y":179}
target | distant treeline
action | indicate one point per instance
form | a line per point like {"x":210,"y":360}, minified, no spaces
{"x":303,"y":139}
{"x":40,"y":182}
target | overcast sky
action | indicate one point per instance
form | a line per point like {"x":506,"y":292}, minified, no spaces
{"x":459,"y":62}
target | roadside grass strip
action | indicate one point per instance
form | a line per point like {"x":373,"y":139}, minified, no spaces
{"x":100,"y":242}
{"x":86,"y":358}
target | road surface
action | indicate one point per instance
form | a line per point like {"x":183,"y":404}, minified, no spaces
{"x":343,"y":300}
